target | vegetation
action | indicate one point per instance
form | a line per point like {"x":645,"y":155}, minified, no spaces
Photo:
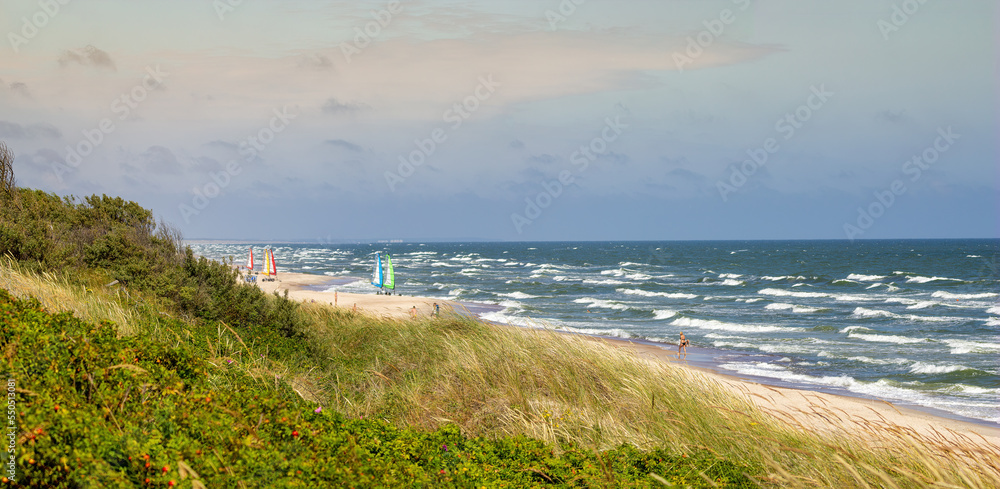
{"x":166,"y":369}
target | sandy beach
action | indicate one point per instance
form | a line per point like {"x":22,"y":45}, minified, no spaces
{"x":811,"y":410}
{"x":396,"y":306}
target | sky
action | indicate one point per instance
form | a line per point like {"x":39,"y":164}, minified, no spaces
{"x":514,"y":120}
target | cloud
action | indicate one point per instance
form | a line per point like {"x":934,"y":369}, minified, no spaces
{"x":14,"y":130}
{"x":516,"y":144}
{"x":893,"y":116}
{"x":20,"y":89}
{"x":315,"y":62}
{"x":334,"y":106}
{"x":160,"y":160}
{"x":543,"y":159}
{"x":340,"y":143}
{"x":88,"y":56}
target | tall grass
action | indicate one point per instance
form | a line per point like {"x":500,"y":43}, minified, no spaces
{"x":497,"y":381}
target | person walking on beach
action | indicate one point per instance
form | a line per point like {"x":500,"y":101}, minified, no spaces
{"x":683,"y":343}
{"x":437,"y":309}
{"x":413,"y":312}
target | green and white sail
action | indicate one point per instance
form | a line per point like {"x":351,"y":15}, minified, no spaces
{"x":390,"y":277}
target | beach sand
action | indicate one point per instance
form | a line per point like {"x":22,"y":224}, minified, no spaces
{"x":815,"y":411}
{"x":395,"y":306}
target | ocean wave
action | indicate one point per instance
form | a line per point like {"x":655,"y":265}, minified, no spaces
{"x":517,"y":294}
{"x":961,"y":347}
{"x":730,"y":275}
{"x":646,"y":293}
{"x":874,"y":313}
{"x":791,"y":293}
{"x":724,"y":326}
{"x":993,"y":322}
{"x":456,"y":292}
{"x":874,"y":285}
{"x":854,"y":328}
{"x":866,"y":278}
{"x":663,"y":313}
{"x":609,"y":281}
{"x":499,"y":317}
{"x":563,"y":278}
{"x":783,"y":277}
{"x":781,"y":306}
{"x":879,"y":338}
{"x":631,"y":264}
{"x":732,"y":282}
{"x":948,"y":295}
{"x":605,"y":304}
{"x":930,"y":368}
{"x":844,"y":281}
{"x":509,"y":304}
{"x":917,"y":279}
{"x":443,"y":264}
{"x":993,"y":310}
{"x":973,"y":256}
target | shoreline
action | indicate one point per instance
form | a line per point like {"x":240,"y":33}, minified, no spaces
{"x":815,"y":406}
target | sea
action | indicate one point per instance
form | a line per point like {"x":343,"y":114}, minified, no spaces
{"x":913,"y":322}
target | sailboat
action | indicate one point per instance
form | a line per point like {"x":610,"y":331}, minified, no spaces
{"x":270,"y":268}
{"x":390,"y":277}
{"x":250,"y":265}
{"x":378,"y":279}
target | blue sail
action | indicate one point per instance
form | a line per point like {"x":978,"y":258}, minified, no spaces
{"x":377,"y":278}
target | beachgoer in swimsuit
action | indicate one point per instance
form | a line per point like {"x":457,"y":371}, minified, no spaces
{"x":683,"y":343}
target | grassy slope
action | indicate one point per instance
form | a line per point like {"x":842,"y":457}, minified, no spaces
{"x":203,"y":371}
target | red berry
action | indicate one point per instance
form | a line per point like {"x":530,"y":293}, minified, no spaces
{"x":147,"y":480}
{"x":165,"y":469}
{"x":171,"y":483}
{"x":295,"y":433}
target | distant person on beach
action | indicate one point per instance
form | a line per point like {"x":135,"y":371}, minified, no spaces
{"x":683,"y":343}
{"x":355,"y":308}
{"x":413,"y":312}
{"x":437,"y":309}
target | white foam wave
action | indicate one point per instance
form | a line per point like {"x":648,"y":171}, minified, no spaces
{"x":791,"y":293}
{"x":961,"y":347}
{"x":879,"y":338}
{"x":948,"y":295}
{"x":783,"y":277}
{"x":730,"y":275}
{"x":930,"y":368}
{"x":865,"y":278}
{"x":724,"y":326}
{"x":517,"y":294}
{"x":876,"y":284}
{"x":874,"y":313}
{"x":993,"y":322}
{"x":631,"y":264}
{"x":605,"y":304}
{"x":854,"y":328}
{"x":663,"y":313}
{"x":994,"y":310}
{"x":781,"y":306}
{"x":917,"y":279}
{"x":973,"y":256}
{"x":732,"y":282}
{"x":646,"y":293}
{"x":509,"y":304}
{"x":609,"y":281}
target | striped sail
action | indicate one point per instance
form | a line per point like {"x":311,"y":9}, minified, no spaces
{"x":250,"y":259}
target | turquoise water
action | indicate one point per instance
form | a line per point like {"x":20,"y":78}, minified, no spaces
{"x":915,"y":322}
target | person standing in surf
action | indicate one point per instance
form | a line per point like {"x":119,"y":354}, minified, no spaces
{"x":682,"y":344}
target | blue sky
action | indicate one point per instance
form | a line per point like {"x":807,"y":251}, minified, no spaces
{"x":284,"y":121}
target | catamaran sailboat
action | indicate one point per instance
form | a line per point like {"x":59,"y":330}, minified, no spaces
{"x":383,"y":279}
{"x":270,"y":268}
{"x":249,"y":277}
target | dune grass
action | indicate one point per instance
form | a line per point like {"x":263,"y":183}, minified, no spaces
{"x":501,"y":382}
